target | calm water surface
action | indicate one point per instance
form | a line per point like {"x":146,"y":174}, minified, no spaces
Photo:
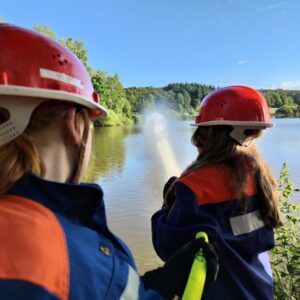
{"x":132,"y":164}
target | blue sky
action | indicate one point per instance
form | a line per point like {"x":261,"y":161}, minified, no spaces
{"x":155,"y":42}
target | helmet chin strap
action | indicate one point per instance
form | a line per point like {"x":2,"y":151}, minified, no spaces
{"x":82,"y":151}
{"x":238,"y":134}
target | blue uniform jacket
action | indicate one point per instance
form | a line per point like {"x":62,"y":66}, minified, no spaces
{"x":55,"y":245}
{"x":205,"y":202}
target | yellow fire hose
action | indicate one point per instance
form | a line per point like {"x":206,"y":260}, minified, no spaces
{"x":195,"y":284}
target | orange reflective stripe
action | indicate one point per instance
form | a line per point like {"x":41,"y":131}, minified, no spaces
{"x":33,"y":245}
{"x":211,"y":184}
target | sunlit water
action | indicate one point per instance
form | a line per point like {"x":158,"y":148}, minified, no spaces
{"x":131,"y":165}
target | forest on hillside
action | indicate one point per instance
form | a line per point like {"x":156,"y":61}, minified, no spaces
{"x":126,"y":105}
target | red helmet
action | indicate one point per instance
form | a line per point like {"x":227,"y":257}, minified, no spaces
{"x":238,"y":106}
{"x":35,"y":66}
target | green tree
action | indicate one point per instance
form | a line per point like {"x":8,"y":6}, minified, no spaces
{"x":45,"y":30}
{"x":270,"y":98}
{"x":77,"y":47}
{"x":180,"y":102}
{"x":99,"y":83}
{"x":285,"y":257}
{"x":187,"y":100}
{"x":288,"y":110}
{"x":296,"y":97}
{"x":113,"y":97}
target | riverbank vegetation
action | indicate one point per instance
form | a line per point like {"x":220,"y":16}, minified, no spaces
{"x":285,"y":257}
{"x":126,"y":105}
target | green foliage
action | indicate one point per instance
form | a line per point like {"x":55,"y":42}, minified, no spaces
{"x":112,"y":96}
{"x":285,"y":257}
{"x":288,"y":101}
{"x":99,"y":83}
{"x":77,"y":47}
{"x":1,"y":19}
{"x":184,"y":98}
{"x":113,"y":119}
{"x":288,"y":110}
{"x":45,"y":30}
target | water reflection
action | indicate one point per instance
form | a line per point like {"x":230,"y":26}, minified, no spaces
{"x":109,"y":152}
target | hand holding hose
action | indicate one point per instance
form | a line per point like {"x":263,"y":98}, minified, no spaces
{"x":171,"y":279}
{"x":203,"y":272}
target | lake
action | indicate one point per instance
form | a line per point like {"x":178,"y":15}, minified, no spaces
{"x":131,"y":164}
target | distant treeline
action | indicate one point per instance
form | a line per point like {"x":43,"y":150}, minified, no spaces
{"x":185,"y":98}
{"x":286,"y":102}
{"x":126,"y":105}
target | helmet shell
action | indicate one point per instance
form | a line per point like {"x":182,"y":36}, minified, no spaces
{"x":235,"y":106}
{"x":34,"y":69}
{"x":34,"y":65}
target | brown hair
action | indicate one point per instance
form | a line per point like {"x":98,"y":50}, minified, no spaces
{"x":21,"y":156}
{"x":215,"y":146}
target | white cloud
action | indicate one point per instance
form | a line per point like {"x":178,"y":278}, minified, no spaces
{"x":286,"y":85}
{"x":273,"y":6}
{"x":241,"y":62}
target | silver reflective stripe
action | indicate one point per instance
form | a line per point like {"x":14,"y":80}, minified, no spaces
{"x":246,"y":223}
{"x":131,"y":291}
{"x":61,"y":77}
{"x":265,"y":261}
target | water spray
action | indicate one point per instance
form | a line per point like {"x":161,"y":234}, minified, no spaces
{"x":159,"y":144}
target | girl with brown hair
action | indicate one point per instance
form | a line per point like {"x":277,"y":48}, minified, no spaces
{"x":228,"y":192}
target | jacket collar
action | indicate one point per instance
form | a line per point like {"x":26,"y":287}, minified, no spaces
{"x":78,"y":200}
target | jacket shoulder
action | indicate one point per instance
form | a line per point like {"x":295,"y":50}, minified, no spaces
{"x":214,"y":184}
{"x":33,"y":245}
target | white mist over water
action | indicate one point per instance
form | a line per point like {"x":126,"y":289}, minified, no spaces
{"x":158,"y":145}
